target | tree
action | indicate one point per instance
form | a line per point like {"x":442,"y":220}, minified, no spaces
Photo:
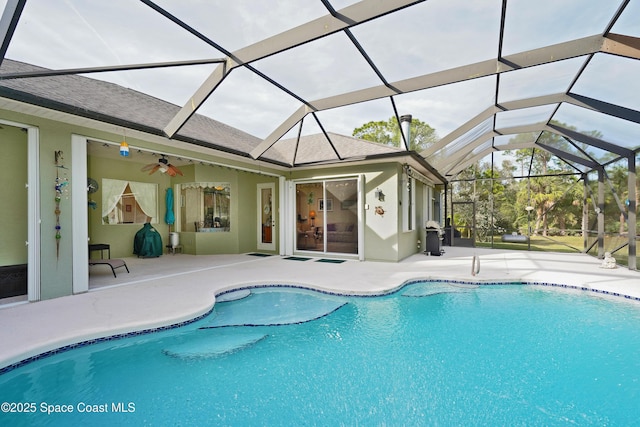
{"x":388,"y":133}
{"x":547,"y":194}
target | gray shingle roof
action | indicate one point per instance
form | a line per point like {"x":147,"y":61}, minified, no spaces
{"x":111,"y":103}
{"x":317,"y":148}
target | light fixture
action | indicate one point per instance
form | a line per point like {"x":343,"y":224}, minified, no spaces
{"x":124,"y":149}
{"x":529,"y":208}
{"x":312,"y":216}
{"x":163,"y":165}
{"x":379,"y":195}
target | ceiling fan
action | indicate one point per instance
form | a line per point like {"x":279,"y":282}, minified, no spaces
{"x":163,"y":166}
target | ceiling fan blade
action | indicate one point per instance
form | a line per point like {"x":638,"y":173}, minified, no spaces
{"x":154,"y":169}
{"x":149,"y":167}
{"x":175,"y":170}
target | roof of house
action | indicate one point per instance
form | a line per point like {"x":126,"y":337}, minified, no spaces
{"x":111,"y":103}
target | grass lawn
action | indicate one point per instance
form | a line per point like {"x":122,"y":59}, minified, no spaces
{"x":539,"y":243}
{"x":563,"y":244}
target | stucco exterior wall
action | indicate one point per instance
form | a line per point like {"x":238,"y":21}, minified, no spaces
{"x":381,"y":222}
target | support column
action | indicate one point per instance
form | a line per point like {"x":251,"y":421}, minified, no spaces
{"x":600,"y":212}
{"x":585,"y":213}
{"x":631,"y":218}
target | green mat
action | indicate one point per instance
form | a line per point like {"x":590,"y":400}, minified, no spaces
{"x":259,"y":254}
{"x":331,"y":261}
{"x":297,"y":258}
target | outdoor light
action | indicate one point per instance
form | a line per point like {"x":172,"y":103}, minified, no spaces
{"x":379,"y":195}
{"x":124,"y":149}
{"x":529,"y":208}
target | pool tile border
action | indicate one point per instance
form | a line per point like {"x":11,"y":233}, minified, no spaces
{"x":100,"y":340}
{"x":85,"y":343}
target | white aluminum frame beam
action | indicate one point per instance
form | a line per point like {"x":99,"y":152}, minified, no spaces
{"x":350,"y":16}
{"x":558,"y":52}
{"x":8,"y":23}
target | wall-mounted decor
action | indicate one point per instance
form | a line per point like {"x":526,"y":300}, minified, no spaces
{"x":60,"y":188}
{"x":325,"y":204}
{"x":92,"y":187}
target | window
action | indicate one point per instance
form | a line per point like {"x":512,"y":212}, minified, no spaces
{"x":129,"y":202}
{"x":408,"y":202}
{"x":205,"y":206}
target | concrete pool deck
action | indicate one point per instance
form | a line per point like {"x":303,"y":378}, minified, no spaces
{"x":175,"y":288}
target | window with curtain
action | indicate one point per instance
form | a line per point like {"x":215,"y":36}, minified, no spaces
{"x":205,"y":206}
{"x":129,"y":202}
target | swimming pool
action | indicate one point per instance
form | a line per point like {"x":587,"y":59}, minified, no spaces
{"x":430,"y":353}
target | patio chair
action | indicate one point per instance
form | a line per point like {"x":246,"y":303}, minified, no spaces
{"x":113,"y":263}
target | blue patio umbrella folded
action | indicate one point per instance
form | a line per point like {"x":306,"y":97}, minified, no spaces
{"x":169,"y":217}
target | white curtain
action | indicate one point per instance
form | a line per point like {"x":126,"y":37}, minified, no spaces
{"x":147,"y":197}
{"x":112,"y":190}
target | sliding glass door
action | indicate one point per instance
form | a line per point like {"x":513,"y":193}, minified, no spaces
{"x":327,"y":216}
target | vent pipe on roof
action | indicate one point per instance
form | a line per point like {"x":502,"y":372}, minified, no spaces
{"x":405,"y":128}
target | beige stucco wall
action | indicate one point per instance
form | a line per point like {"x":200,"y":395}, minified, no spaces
{"x":57,"y":265}
{"x":384,"y":239}
{"x":13,"y":215}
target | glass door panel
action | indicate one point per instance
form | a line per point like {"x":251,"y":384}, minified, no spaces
{"x":266,"y":222}
{"x":327,"y":216}
{"x":308,"y":221}
{"x":340,"y":216}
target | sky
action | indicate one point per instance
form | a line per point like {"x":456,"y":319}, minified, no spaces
{"x":433,"y":36}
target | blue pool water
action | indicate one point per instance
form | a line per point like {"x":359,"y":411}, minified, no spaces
{"x":432,"y":353}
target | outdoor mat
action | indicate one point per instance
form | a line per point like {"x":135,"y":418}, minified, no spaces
{"x":259,"y":254}
{"x":297,"y":258}
{"x":331,"y":261}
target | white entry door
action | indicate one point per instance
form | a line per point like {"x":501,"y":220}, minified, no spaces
{"x":266,"y":217}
